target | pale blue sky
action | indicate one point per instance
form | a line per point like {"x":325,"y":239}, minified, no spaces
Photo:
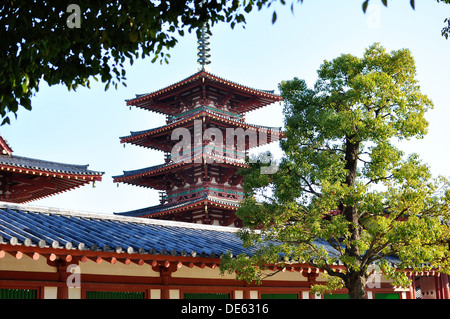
{"x":84,"y":127}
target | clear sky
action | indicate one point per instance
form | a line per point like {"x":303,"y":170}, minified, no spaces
{"x":84,"y":127}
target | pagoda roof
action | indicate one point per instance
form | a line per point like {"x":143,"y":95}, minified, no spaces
{"x":31,"y":179}
{"x":245,"y":98}
{"x":135,"y":176}
{"x":142,"y":138}
{"x":172,"y":208}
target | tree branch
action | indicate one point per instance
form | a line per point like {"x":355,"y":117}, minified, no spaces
{"x":379,"y":179}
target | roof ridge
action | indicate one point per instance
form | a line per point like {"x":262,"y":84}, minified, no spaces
{"x":204,"y":74}
{"x":130,"y":219}
{"x":186,"y":161}
{"x":4,"y":145}
{"x":194,"y":115}
{"x":83,"y":166}
{"x":30,"y":160}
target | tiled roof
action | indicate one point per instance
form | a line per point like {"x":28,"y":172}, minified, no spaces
{"x":204,"y":74}
{"x":31,"y":226}
{"x":4,"y":146}
{"x":142,"y":170}
{"x":54,"y":228}
{"x":149,"y":100}
{"x":46,"y":166}
{"x":159,"y":208}
{"x":201,"y":112}
{"x":173,"y":206}
{"x":28,"y":179}
{"x":131,"y":176}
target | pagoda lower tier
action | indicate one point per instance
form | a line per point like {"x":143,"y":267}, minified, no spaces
{"x":205,"y":140}
{"x":190,"y":179}
{"x":204,"y":209}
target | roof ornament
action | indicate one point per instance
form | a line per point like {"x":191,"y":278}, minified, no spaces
{"x":203,"y":47}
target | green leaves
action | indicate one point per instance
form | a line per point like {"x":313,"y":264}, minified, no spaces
{"x":39,"y":42}
{"x":342,"y":180}
{"x":39,"y":45}
{"x":365,"y":4}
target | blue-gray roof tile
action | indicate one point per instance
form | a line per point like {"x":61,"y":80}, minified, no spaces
{"x":49,"y":227}
{"x":58,"y":228}
{"x":49,"y":166}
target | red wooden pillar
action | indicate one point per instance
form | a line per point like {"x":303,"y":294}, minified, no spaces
{"x":445,"y":286}
{"x":246,"y":290}
{"x":165,"y":270}
{"x":412,"y":289}
{"x":63,"y":290}
{"x":165,"y":286}
{"x":437,"y":282}
{"x":165,"y":292}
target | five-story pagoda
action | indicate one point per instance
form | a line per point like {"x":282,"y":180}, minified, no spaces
{"x":205,"y":140}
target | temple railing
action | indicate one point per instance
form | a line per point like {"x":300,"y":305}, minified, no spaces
{"x":213,"y":110}
{"x":216,"y":154}
{"x":207,"y":188}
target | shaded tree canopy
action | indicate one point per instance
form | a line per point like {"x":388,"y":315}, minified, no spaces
{"x":343,"y":181}
{"x":61,"y":43}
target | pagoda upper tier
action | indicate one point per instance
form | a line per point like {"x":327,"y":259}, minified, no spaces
{"x":204,"y":89}
{"x":160,"y":138}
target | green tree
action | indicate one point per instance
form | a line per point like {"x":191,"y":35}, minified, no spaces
{"x":71,"y":44}
{"x":343,"y":181}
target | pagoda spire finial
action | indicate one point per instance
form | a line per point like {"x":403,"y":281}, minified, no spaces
{"x":203,"y":47}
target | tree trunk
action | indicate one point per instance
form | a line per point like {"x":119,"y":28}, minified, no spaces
{"x":354,"y":281}
{"x":356,"y":285}
{"x":351,"y":161}
{"x":350,"y":212}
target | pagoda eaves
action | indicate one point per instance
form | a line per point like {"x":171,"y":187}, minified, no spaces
{"x":141,"y":177}
{"x":160,"y":138}
{"x":205,"y":209}
{"x":203,"y":86}
{"x":205,"y":140}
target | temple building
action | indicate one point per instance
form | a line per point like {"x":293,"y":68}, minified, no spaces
{"x":49,"y":253}
{"x":171,"y":250}
{"x":24,"y":179}
{"x":199,"y":181}
{"x":205,"y":141}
